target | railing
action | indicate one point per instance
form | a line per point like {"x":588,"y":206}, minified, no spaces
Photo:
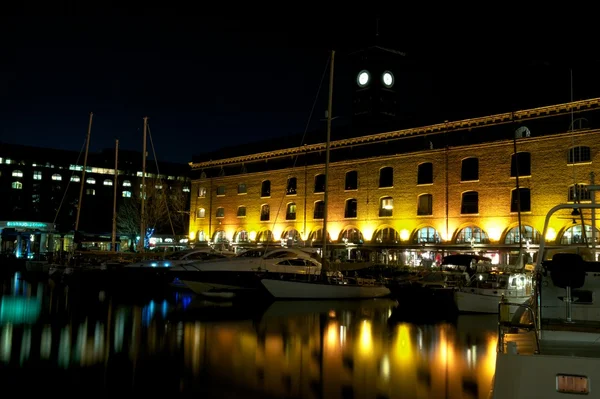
{"x":505,"y":322}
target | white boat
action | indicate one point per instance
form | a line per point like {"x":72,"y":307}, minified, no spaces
{"x":282,"y":289}
{"x":485,"y":290}
{"x":553,"y":349}
{"x":243,"y":272}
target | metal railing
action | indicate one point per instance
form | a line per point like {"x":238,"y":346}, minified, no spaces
{"x":505,"y":322}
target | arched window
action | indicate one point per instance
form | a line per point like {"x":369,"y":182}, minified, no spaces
{"x":425,"y":173}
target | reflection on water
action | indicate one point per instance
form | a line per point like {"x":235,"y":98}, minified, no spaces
{"x":184,"y":345}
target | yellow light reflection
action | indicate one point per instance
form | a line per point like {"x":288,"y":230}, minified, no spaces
{"x":489,"y":361}
{"x":252,"y":235}
{"x":403,"y":350}
{"x":551,"y":234}
{"x":332,"y":334}
{"x":192,"y":235}
{"x":366,"y":337}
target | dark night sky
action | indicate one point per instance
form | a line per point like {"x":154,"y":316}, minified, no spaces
{"x":209,"y":82}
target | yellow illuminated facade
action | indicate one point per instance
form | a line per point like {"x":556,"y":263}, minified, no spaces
{"x":457,"y":196}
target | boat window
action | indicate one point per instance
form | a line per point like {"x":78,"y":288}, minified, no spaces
{"x":252,"y":253}
{"x":280,"y":254}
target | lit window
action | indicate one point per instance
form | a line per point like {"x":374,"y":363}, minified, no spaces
{"x":90,"y":180}
{"x":56,"y":177}
{"x":108,"y":182}
{"x":37,"y":175}
{"x":90,"y":191}
{"x":127,"y":194}
{"x":17,"y":173}
{"x":126,"y":183}
{"x":201,"y":213}
{"x":17,"y":185}
{"x":186,"y":189}
{"x":75,"y":179}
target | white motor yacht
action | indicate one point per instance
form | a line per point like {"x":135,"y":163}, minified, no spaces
{"x":485,"y":289}
{"x":225,"y":277}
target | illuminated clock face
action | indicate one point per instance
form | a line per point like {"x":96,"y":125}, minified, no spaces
{"x":388,"y":79}
{"x":363,"y":78}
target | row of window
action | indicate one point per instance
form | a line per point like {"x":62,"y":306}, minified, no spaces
{"x":520,"y":166}
{"x":469,"y":205}
{"x":18,"y":185}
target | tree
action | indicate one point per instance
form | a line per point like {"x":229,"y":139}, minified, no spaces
{"x":165,"y":211}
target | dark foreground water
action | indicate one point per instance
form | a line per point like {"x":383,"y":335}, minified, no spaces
{"x":91,"y":344}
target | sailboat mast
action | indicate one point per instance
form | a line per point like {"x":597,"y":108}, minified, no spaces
{"x":325,"y":200}
{"x":81,"y":187}
{"x":116,"y":187}
{"x":143,"y":193}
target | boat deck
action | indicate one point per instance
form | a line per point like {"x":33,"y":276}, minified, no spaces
{"x":556,"y":343}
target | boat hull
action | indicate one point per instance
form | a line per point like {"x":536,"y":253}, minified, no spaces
{"x":535,"y":376}
{"x":282,"y":289}
{"x":468,"y":302}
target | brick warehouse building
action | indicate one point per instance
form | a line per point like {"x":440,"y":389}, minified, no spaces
{"x":412,"y":194}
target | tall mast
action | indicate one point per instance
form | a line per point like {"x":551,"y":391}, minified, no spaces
{"x":329,"y":107}
{"x":81,"y":187}
{"x":143,"y":193}
{"x":116,"y":188}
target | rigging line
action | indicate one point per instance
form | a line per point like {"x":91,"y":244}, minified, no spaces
{"x":312,"y":110}
{"x":69,"y":183}
{"x":161,"y":181}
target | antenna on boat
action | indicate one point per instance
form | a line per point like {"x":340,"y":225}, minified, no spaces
{"x":87,"y":147}
{"x":143,"y":193}
{"x":116,"y":187}
{"x":325,"y":196}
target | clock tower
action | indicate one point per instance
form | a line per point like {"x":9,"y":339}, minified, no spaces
{"x":378,"y":81}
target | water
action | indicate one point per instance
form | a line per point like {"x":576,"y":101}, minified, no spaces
{"x":94,"y":344}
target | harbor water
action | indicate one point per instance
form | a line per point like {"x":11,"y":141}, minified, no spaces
{"x":85,"y":343}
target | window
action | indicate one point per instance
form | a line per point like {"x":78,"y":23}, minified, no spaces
{"x":201,"y":192}
{"x":221,"y":190}
{"x":241,"y":212}
{"x":386,"y":177}
{"x":17,"y":173}
{"x":351,"y":208}
{"x":425,"y":173}
{"x":351,"y":180}
{"x":265,"y":188}
{"x":524,"y":197}
{"x":470,"y":203}
{"x":290,"y":213}
{"x":220,"y":212}
{"x":186,"y":189}
{"x":90,"y":191}
{"x":520,"y":161}
{"x":37,"y":175}
{"x":56,"y":177}
{"x":156,"y":186}
{"x":90,"y":180}
{"x":17,"y":185}
{"x":201,"y":213}
{"x":319,"y":212}
{"x":579,"y":192}
{"x":241,"y":189}
{"x":577,"y":155}
{"x":291,"y":186}
{"x":126,"y":183}
{"x":319,"y":183}
{"x":386,"y":206}
{"x":470,"y":169}
{"x":77,"y":179}
{"x":425,"y":205}
{"x":265,"y":213}
{"x":107,"y":182}
{"x":126,"y":194}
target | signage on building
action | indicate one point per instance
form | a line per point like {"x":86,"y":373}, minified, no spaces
{"x":31,"y":225}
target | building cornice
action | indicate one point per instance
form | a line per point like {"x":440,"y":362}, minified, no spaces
{"x":465,"y":124}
